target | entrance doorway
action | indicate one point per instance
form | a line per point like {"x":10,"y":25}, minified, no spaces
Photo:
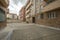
{"x":33,"y":19}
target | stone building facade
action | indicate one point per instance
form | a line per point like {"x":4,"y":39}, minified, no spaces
{"x":22,"y":14}
{"x":3,"y":11}
{"x":49,"y":13}
{"x":30,"y":11}
{"x":12,"y":16}
{"x":43,"y":12}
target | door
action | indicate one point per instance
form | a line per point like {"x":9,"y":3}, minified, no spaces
{"x":33,"y":19}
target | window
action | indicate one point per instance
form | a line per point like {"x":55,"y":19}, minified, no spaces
{"x":41,"y":16}
{"x":41,"y":0}
{"x":38,"y":16}
{"x":2,"y":15}
{"x":52,"y":15}
{"x":49,"y":15}
{"x":41,"y":7}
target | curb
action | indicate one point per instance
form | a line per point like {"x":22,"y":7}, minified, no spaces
{"x":48,"y":27}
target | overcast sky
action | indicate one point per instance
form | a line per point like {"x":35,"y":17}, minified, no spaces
{"x":16,"y":5}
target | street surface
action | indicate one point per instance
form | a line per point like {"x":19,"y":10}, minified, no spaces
{"x":23,"y":31}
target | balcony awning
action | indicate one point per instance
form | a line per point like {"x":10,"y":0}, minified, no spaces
{"x":27,"y":11}
{"x":27,"y":16}
{"x":51,"y":6}
{"x":28,"y":5}
{"x":4,"y":9}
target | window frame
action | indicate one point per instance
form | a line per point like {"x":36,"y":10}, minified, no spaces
{"x":42,"y":16}
{"x":52,"y":15}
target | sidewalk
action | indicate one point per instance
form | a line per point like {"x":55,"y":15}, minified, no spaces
{"x":48,"y":27}
{"x":56,"y":28}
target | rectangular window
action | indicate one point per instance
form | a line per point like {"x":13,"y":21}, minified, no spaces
{"x":41,"y":0}
{"x":49,"y":15}
{"x":52,"y":15}
{"x":41,"y":16}
{"x":41,"y":7}
{"x":38,"y":16}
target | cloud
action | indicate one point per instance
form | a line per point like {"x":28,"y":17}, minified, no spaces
{"x":16,"y":5}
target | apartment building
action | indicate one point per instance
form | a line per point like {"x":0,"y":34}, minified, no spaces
{"x":22,"y":14}
{"x":30,"y":11}
{"x":49,"y":13}
{"x":43,"y":12}
{"x":3,"y":10}
{"x":12,"y":16}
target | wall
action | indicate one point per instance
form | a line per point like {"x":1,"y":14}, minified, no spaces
{"x":50,"y":22}
{"x":2,"y":19}
{"x":3,"y":6}
{"x":22,"y":14}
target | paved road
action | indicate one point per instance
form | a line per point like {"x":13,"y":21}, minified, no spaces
{"x":23,"y":31}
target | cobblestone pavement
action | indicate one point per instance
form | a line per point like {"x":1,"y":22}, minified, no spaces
{"x":23,"y":31}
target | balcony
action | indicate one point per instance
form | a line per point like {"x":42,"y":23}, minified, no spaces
{"x":52,"y":6}
{"x":4,"y":3}
{"x":27,"y":16}
{"x":27,"y":12}
{"x":28,"y":5}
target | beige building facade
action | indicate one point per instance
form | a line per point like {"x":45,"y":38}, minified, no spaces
{"x":43,"y":12}
{"x":12,"y":16}
{"x":22,"y":14}
{"x":49,"y":13}
{"x":30,"y":11}
{"x":3,"y":11}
